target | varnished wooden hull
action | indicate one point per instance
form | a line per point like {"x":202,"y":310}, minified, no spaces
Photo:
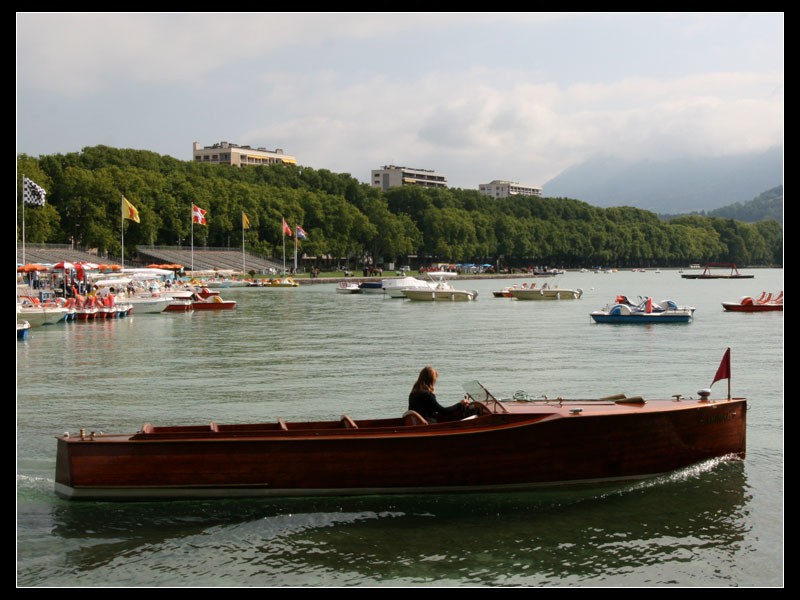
{"x":531,"y":445}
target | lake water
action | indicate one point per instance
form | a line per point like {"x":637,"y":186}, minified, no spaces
{"x":309,"y":353}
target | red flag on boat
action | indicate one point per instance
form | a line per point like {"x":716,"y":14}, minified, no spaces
{"x":724,"y":369}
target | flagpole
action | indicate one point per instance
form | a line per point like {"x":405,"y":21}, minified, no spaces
{"x":729,"y":378}
{"x":244,"y":271}
{"x":122,"y":228}
{"x":295,"y":250}
{"x":23,"y":219}
{"x":283,"y":233}
{"x":192,"y":236}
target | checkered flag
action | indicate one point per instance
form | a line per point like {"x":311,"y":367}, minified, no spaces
{"x":32,"y":193}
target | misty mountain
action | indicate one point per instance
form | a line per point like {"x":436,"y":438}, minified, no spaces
{"x":768,"y":205}
{"x":669,"y":187}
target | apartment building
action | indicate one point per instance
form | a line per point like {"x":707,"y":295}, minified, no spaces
{"x":503,"y":189}
{"x":226,"y":153}
{"x":392,"y":176}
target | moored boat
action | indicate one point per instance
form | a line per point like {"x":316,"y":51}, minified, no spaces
{"x":764,"y":303}
{"x":281,"y":282}
{"x":709,"y":274}
{"x":513,"y":445}
{"x":348,"y":287}
{"x":646,"y":312}
{"x":23,"y":329}
{"x":545,"y":292}
{"x":506,"y":291}
{"x":440,"y":290}
{"x":393,"y":287}
{"x":39,"y":313}
{"x":212,"y":303}
{"x":371,"y":287}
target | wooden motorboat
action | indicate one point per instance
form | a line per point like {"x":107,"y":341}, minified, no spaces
{"x":763,"y":303}
{"x":506,"y":445}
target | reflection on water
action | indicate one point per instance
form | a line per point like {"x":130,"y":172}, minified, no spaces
{"x":310,"y":353}
{"x":558,"y":537}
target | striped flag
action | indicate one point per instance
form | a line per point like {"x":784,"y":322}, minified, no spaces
{"x":32,"y":193}
{"x":301,"y":233}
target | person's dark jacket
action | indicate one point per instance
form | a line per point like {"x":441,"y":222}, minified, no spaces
{"x":425,"y":404}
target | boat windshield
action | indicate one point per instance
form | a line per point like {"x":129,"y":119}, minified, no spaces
{"x":478,"y":393}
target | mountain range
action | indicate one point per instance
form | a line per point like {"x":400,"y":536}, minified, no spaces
{"x":670,"y":187}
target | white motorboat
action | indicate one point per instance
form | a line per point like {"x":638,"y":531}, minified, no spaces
{"x":348,"y":287}
{"x":37,"y":313}
{"x":545,"y":293}
{"x":148,"y":304}
{"x":442,"y":290}
{"x":393,"y":287}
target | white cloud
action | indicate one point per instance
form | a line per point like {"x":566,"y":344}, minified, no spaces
{"x":450,"y":92}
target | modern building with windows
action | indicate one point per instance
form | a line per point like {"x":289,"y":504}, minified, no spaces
{"x":391,"y":176}
{"x":235,"y":155}
{"x":504,"y":189}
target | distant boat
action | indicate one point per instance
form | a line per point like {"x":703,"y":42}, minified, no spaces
{"x":646,"y":312}
{"x":441,"y":291}
{"x":707,"y":274}
{"x":39,"y":313}
{"x":371,"y":287}
{"x":348,"y":287}
{"x":393,"y":287}
{"x":212,"y":303}
{"x":23,"y":328}
{"x":764,"y":303}
{"x":282,"y":282}
{"x":545,"y":293}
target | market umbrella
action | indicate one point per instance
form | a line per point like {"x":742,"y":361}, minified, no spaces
{"x":30,"y":268}
{"x":85,"y":264}
{"x":64,"y":265}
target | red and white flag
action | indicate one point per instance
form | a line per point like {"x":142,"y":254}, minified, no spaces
{"x":198,"y":215}
{"x":286,"y":229}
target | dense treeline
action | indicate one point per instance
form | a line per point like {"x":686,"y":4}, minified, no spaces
{"x":346,"y":218}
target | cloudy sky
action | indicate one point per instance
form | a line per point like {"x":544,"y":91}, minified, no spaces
{"x":475,"y":96}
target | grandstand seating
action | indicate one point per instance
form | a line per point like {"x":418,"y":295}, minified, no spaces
{"x":201,"y":258}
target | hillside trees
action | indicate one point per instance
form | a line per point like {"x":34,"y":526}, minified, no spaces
{"x":347,"y":219}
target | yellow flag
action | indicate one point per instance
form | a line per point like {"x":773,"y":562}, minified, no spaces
{"x":129,"y":211}
{"x":245,"y":221}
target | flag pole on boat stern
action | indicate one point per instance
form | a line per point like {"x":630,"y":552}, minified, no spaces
{"x":724,"y":371}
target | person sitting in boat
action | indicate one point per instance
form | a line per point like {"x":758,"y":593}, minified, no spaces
{"x":422,"y":399}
